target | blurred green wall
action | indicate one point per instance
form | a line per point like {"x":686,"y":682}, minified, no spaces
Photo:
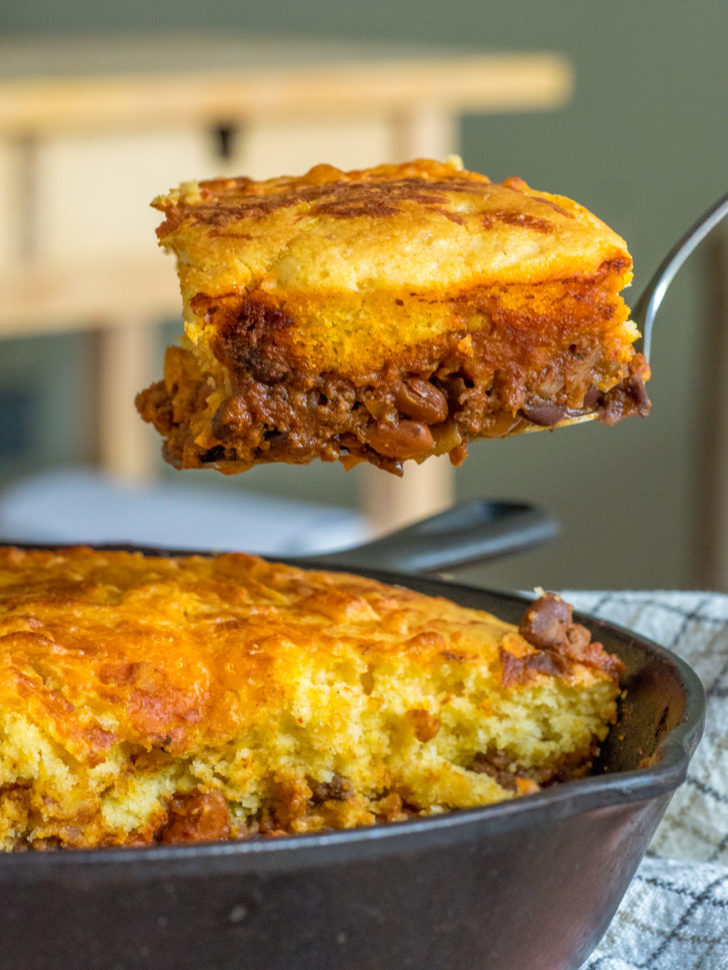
{"x":644,"y":143}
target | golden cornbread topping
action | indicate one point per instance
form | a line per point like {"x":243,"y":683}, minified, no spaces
{"x":387,"y":314}
{"x":418,"y":224}
{"x":182,"y":699}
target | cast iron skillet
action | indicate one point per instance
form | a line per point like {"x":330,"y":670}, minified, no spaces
{"x":529,"y":884}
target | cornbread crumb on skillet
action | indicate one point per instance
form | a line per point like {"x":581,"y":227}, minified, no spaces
{"x":148,"y":699}
{"x":387,"y":314}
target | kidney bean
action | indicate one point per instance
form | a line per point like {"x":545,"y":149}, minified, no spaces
{"x":545,"y":415}
{"x":406,"y":439}
{"x":421,"y":401}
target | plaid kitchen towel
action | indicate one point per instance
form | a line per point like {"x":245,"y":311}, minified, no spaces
{"x":675,"y":913}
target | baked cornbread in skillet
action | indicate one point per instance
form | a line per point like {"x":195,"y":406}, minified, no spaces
{"x":387,"y":314}
{"x":147,"y":699}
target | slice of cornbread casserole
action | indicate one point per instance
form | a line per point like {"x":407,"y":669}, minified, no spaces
{"x":148,"y":699}
{"x":387,"y":314}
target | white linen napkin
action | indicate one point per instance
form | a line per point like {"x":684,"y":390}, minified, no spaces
{"x":675,"y":913}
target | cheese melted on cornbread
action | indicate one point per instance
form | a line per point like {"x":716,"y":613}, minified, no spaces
{"x":178,"y":699}
{"x":428,"y":226}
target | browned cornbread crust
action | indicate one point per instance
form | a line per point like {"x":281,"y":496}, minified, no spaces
{"x":387,"y":314}
{"x":148,"y":699}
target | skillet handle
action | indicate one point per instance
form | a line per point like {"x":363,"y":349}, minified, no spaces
{"x":468,"y":532}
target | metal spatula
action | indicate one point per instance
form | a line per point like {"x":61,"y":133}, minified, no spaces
{"x":645,"y":310}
